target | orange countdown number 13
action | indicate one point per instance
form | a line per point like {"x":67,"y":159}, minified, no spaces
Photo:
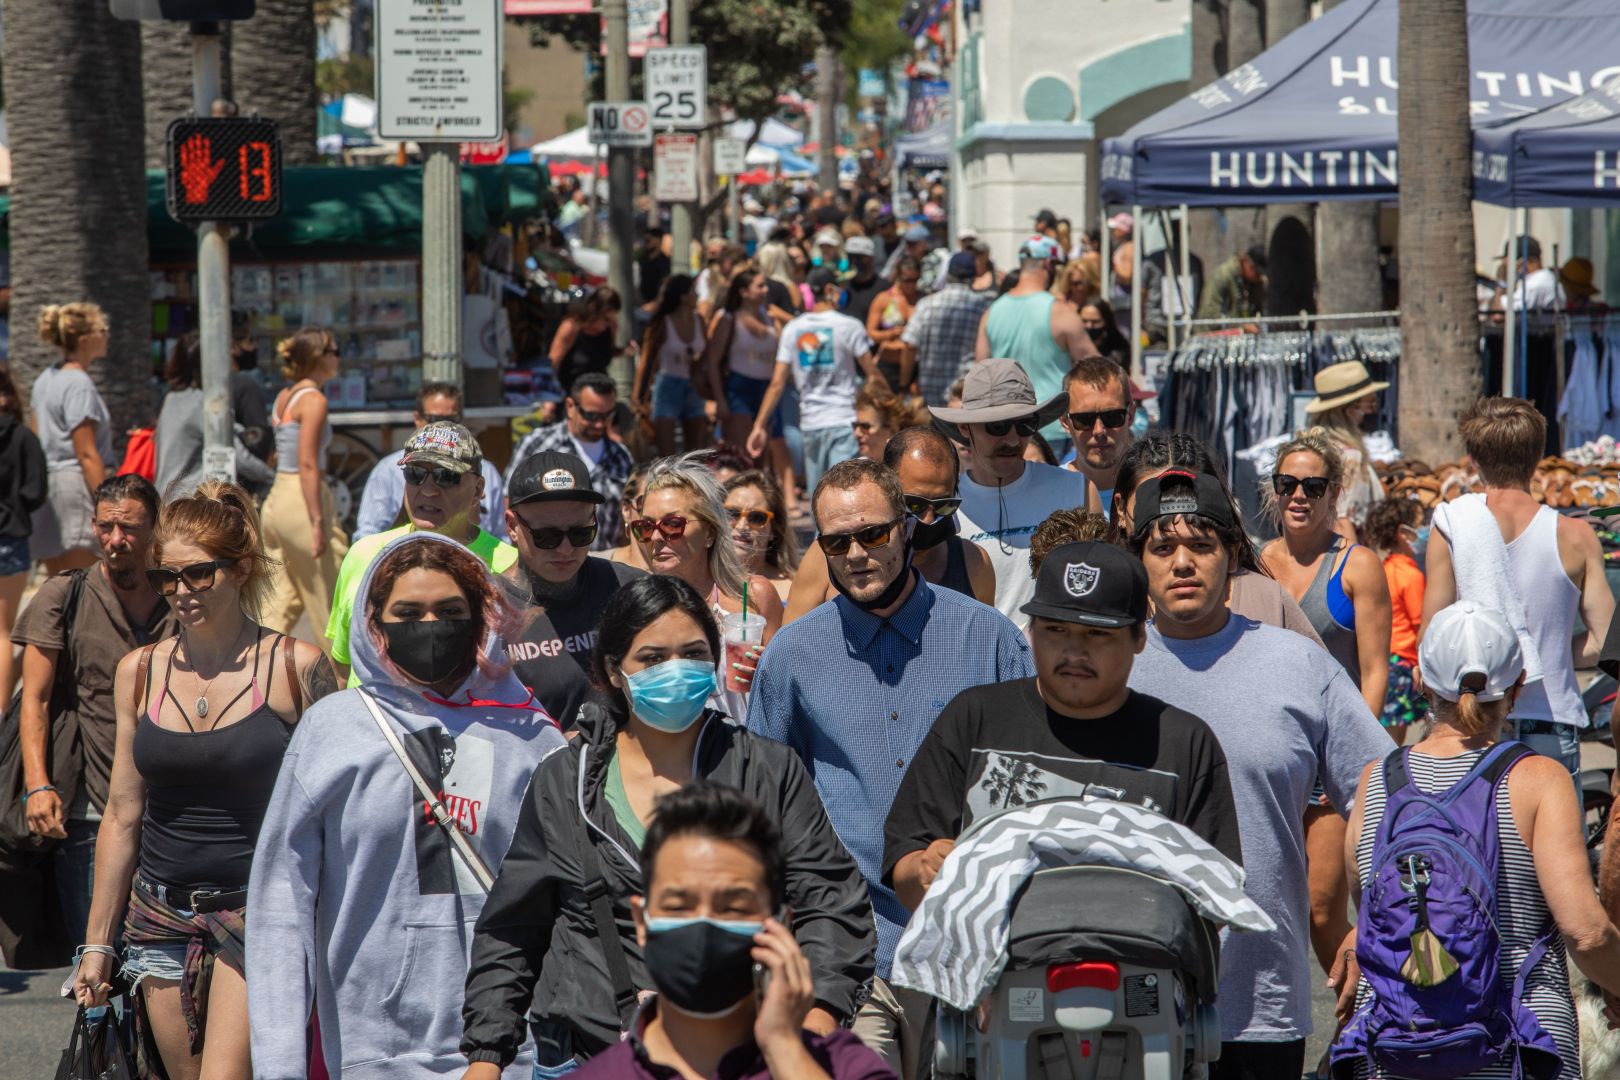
{"x":255,"y":178}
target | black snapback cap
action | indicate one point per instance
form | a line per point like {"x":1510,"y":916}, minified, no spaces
{"x":1093,"y":583}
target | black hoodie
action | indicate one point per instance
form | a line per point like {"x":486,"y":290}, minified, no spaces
{"x":22,"y":477}
{"x":536,"y":943}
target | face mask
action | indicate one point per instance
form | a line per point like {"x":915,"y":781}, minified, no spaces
{"x":670,"y":696}
{"x":248,"y":359}
{"x":897,"y":586}
{"x":703,"y":967}
{"x":934,"y":533}
{"x":1095,"y":333}
{"x":431,"y":651}
{"x":1139,"y":425}
{"x":1420,"y":542}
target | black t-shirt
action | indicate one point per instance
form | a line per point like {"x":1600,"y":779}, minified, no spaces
{"x":999,"y":745}
{"x":861,"y":297}
{"x":654,"y":269}
{"x":779,"y":295}
{"x":552,"y":653}
{"x":1609,"y":658}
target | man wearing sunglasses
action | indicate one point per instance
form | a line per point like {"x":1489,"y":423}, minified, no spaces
{"x":1101,"y":411}
{"x":583,"y":432}
{"x":444,"y":485}
{"x":551,"y":518}
{"x":384,"y":497}
{"x":1004,"y":497}
{"x":854,"y":686}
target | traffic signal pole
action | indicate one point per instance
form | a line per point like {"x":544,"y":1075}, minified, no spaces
{"x":680,"y":213}
{"x":621,"y":175}
{"x":213,"y":283}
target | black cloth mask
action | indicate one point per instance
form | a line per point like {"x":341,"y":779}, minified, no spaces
{"x":700,"y":968}
{"x":247,"y":359}
{"x":432,"y":651}
{"x":931,"y":534}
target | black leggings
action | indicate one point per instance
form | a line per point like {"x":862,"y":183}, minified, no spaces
{"x":1260,"y":1061}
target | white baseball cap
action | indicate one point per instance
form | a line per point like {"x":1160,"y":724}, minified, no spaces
{"x":1468,"y":646}
{"x":860,"y":245}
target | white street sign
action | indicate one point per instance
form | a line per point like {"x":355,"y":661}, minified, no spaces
{"x":677,"y":80}
{"x":675,"y":167}
{"x":439,"y":70}
{"x":620,"y":123}
{"x":730,"y":157}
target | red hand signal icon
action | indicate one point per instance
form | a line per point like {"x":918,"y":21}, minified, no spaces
{"x":198,"y":167}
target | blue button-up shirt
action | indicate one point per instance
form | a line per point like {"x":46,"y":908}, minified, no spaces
{"x":854,"y":695}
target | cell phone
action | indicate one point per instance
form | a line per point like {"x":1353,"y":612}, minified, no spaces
{"x":762,"y":981}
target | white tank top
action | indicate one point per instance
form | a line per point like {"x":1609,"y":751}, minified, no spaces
{"x":1551,"y":602}
{"x":675,"y":357}
{"x":752,"y":355}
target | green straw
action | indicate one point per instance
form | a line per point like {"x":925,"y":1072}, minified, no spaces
{"x":745,"y":609}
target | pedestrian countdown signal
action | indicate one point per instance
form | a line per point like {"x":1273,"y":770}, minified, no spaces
{"x":223,"y":169}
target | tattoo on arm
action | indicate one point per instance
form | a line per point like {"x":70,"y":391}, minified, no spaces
{"x":319,"y":680}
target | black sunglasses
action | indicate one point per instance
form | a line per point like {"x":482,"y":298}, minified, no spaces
{"x":917,"y":506}
{"x":579,"y":536}
{"x":871,"y":538}
{"x":199,"y":577}
{"x":1111,"y":418}
{"x":417,"y":475}
{"x":1285,"y":485}
{"x":591,"y":416}
{"x":1026,"y":427}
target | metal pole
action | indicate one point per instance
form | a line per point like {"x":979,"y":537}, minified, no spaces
{"x":1105,"y":241}
{"x":441,"y":262}
{"x":213,"y":283}
{"x":680,"y":213}
{"x":1509,"y":315}
{"x":1170,"y":274}
{"x":734,"y":227}
{"x":1186,"y":276}
{"x":1137,"y":296}
{"x":621,"y":176}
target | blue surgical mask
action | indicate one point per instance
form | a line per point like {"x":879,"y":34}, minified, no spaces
{"x":1140,"y":424}
{"x":1420,"y":544}
{"x":670,"y":696}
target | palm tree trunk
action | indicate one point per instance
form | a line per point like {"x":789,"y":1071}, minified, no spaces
{"x":1439,"y":324}
{"x":166,"y":82}
{"x":78,"y":218}
{"x":1226,"y":34}
{"x":1291,"y":284}
{"x":273,"y":73}
{"x":829,"y":80}
{"x":1347,"y":238}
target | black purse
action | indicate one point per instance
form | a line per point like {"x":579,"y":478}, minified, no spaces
{"x":97,"y":1050}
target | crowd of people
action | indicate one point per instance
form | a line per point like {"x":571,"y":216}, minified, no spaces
{"x":595,"y":765}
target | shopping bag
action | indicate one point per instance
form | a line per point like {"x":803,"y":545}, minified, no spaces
{"x":96,"y":1050}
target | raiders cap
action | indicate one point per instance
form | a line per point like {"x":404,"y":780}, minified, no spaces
{"x":1092,"y":583}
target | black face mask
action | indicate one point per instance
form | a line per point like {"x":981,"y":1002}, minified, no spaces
{"x":247,"y":359}
{"x":431,"y":652}
{"x":700,"y":968}
{"x":1096,"y":333}
{"x":896,"y":587}
{"x":933,"y":533}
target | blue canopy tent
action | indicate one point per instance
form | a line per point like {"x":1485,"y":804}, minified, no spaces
{"x":1568,"y":155}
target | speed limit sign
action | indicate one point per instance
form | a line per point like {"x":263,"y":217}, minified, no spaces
{"x":677,"y":80}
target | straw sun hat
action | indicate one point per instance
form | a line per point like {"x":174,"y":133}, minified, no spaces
{"x":1340,"y":384}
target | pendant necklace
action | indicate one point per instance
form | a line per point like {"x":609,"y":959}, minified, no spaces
{"x":202,"y":698}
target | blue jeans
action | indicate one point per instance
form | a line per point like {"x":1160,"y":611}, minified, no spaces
{"x":1561,"y":742}
{"x":824,"y":448}
{"x":74,"y":863}
{"x":673,"y":398}
{"x":746,"y":395}
{"x":549,"y":1072}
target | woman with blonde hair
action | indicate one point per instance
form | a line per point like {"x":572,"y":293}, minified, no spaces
{"x":1346,"y":395}
{"x":75,"y":431}
{"x":301,"y":529}
{"x":204,"y":719}
{"x":760,"y":528}
{"x":777,"y":266}
{"x":684,"y":530}
{"x":1079,"y":282}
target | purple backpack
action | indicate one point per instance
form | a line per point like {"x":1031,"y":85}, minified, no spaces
{"x":1427,"y":940}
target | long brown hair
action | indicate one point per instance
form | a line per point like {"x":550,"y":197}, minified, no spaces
{"x":221,"y":519}
{"x":10,"y":400}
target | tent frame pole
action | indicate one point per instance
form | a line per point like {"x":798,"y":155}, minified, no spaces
{"x":1165,"y":227}
{"x":1510,"y":315}
{"x":1137,"y":295}
{"x":1186,"y":276}
{"x":1105,"y":240}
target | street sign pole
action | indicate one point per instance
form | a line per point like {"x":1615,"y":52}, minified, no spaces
{"x":621,"y":182}
{"x":213,"y":283}
{"x":680,"y":215}
{"x":441,"y":262}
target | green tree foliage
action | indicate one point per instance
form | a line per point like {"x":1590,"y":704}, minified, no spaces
{"x":875,"y":39}
{"x":341,"y":75}
{"x":758,"y":49}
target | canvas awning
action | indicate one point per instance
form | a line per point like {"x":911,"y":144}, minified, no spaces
{"x":1565,"y":156}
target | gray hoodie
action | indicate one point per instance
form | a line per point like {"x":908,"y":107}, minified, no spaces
{"x":357,"y":904}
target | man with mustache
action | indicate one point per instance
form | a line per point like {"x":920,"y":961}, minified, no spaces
{"x":1075,"y":729}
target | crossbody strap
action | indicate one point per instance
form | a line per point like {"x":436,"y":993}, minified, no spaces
{"x":607,"y":927}
{"x":441,"y":816}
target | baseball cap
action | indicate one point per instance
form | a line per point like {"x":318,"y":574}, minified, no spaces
{"x":1468,"y":646}
{"x":1122,"y":221}
{"x":967,"y":232}
{"x":917,"y":234}
{"x":444,"y":443}
{"x":1040,"y":247}
{"x":1046,"y":218}
{"x":829,"y":238}
{"x":860,"y":245}
{"x":1092,"y":583}
{"x":820,"y":278}
{"x":1207,"y":499}
{"x":964,"y":266}
{"x":551,"y":476}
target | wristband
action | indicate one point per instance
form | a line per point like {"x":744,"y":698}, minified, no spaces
{"x":31,"y":792}
{"x":104,"y":950}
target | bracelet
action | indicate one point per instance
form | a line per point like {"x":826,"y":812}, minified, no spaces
{"x":104,"y":950}
{"x":31,"y":792}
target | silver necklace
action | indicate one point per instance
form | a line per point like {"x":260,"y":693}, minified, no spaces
{"x":202,"y":698}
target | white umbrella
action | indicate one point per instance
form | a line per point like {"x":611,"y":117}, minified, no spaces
{"x":576,"y":144}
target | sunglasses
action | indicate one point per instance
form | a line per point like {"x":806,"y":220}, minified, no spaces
{"x":756,"y":519}
{"x":1026,"y":427}
{"x":1111,"y":418}
{"x":917,"y":506}
{"x":1285,"y":485}
{"x":199,"y":577}
{"x":592,"y":416}
{"x":673,"y":526}
{"x":446,"y":418}
{"x":865,"y":427}
{"x":580,"y":536}
{"x":871,"y":538}
{"x":417,"y":475}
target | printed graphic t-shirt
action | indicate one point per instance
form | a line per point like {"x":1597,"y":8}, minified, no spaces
{"x":822,"y":348}
{"x":999,"y":746}
{"x":1001,"y":521}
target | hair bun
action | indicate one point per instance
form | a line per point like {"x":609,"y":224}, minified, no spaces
{"x":50,"y":324}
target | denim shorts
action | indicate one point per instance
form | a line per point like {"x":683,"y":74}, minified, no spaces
{"x":745,"y":395}
{"x":167,"y":961}
{"x":14,"y":556}
{"x":674,"y":398}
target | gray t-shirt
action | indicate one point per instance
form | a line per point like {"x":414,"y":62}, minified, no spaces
{"x":1287,"y":717}
{"x":62,"y":399}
